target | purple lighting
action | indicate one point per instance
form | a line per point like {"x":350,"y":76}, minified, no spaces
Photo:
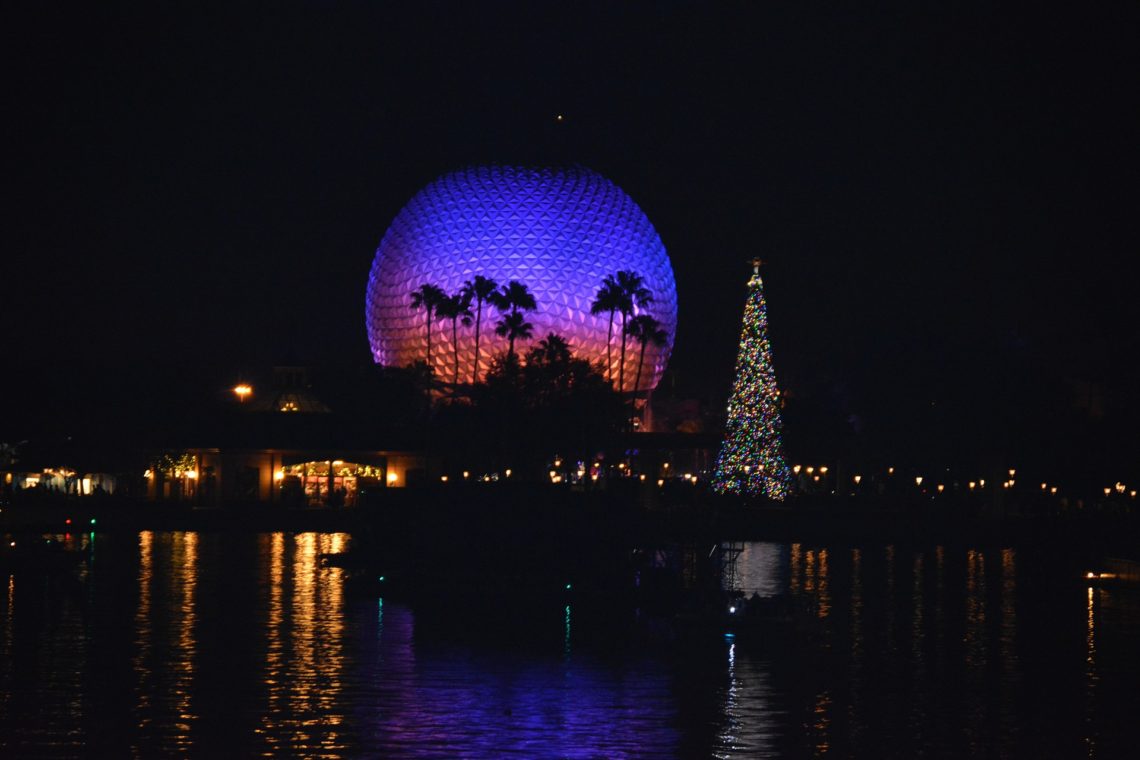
{"x":557,"y":231}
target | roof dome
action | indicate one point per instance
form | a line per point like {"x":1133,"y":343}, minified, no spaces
{"x":557,"y":231}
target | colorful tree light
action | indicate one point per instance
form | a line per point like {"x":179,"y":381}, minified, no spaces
{"x":751,"y":461}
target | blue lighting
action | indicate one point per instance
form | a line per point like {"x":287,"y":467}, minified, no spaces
{"x":557,"y":231}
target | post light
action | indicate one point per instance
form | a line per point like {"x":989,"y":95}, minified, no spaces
{"x":442,"y":478}
{"x":796,"y":469}
{"x":279,"y":474}
{"x":393,"y":477}
{"x":641,"y":476}
{"x":666,"y":465}
{"x":823,"y":470}
{"x":747,"y":469}
{"x":1044,"y":486}
{"x":1107,"y":490}
{"x":192,"y":474}
{"x":1053,"y":489}
{"x":890,"y":470}
{"x":857,"y":478}
{"x":466,"y":474}
{"x":1005,"y":484}
{"x":553,"y":473}
{"x":507,"y":472}
{"x":557,"y":462}
{"x":918,"y":480}
{"x":982,"y":483}
{"x":1132,"y":493}
{"x":810,"y":469}
{"x":1119,"y":487}
{"x":1012,"y":472}
{"x":972,"y":484}
{"x":1011,"y":482}
{"x":660,"y":482}
{"x":242,"y":391}
{"x":941,"y":488}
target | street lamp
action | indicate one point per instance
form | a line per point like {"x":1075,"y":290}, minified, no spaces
{"x":242,"y":390}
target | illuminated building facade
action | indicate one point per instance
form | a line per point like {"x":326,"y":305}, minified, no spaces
{"x":557,"y":231}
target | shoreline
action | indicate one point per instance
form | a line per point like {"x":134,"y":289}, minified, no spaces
{"x":530,"y":516}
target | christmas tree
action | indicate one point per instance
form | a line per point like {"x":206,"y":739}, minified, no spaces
{"x":751,"y":460}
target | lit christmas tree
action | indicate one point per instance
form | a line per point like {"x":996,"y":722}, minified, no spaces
{"x":751,"y":460}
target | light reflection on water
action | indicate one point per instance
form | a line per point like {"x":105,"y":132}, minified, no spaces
{"x":245,"y":645}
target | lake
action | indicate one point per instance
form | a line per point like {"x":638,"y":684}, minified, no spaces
{"x":242,"y":644}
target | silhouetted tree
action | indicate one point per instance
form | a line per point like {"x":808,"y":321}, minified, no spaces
{"x":645,"y":330}
{"x":607,"y":301}
{"x":631,"y":293}
{"x":428,"y":297}
{"x":480,"y":290}
{"x":455,"y":308}
{"x":513,"y":326}
{"x":513,"y":299}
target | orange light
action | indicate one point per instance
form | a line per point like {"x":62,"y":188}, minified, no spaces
{"x":918,"y":480}
{"x":242,"y":390}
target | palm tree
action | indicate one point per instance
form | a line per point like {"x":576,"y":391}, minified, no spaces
{"x":606,"y":300}
{"x":512,"y":326}
{"x":513,"y":298}
{"x":428,"y":297}
{"x":645,"y":330}
{"x":455,"y":308}
{"x":554,"y":349}
{"x":631,"y":292}
{"x":480,"y":290}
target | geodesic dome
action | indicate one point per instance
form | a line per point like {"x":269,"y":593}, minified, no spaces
{"x":557,"y":231}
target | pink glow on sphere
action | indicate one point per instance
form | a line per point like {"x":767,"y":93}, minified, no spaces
{"x":557,"y":231}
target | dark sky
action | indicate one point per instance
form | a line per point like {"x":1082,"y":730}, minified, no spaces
{"x":947,"y":195}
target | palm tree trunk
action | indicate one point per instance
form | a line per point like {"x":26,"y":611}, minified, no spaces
{"x":511,"y":345}
{"x":621,"y":366}
{"x":455,"y":344}
{"x":478,"y":322}
{"x":640,"y":361}
{"x":429,"y":337}
{"x":636,"y":384}
{"x":609,"y":351}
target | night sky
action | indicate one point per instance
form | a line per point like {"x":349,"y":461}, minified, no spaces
{"x":947,"y":196}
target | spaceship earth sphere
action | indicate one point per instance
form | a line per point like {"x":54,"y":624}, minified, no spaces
{"x":557,"y":231}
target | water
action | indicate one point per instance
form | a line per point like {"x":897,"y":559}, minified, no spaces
{"x":244,"y":645}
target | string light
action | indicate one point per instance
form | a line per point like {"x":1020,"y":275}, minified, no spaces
{"x":752,"y":431}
